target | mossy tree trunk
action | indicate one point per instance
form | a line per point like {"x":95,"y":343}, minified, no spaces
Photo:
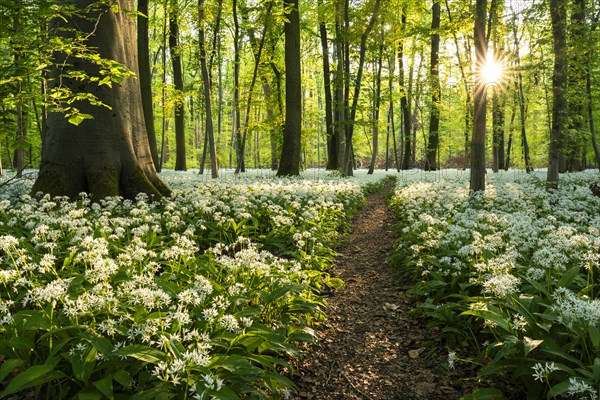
{"x":108,"y":155}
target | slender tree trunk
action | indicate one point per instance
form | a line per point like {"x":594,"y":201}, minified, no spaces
{"x":559,"y":85}
{"x":340,"y":101}
{"x":511,"y":129}
{"x":257,"y":57}
{"x":404,"y":101}
{"x":349,"y":170}
{"x":180,"y":153}
{"x":209,"y":128}
{"x":332,"y":140}
{"x":573,"y":142}
{"x":498,"y":128}
{"x":477,"y":182}
{"x":434,"y":76}
{"x":291,"y":151}
{"x":236,"y":123}
{"x":146,"y":76}
{"x":590,"y":115}
{"x":521,"y":93}
{"x":390,"y":118}
{"x":376,"y":109}
{"x":163,"y":96}
{"x":21,"y":109}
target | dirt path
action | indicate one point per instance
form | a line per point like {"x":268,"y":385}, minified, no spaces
{"x":371,"y":347}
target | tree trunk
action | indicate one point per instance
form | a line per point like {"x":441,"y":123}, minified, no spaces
{"x":404,"y":101}
{"x":180,"y":156}
{"x":209,"y":128}
{"x":349,"y":167}
{"x":290,"y":155}
{"x":511,"y":129}
{"x":477,"y":181}
{"x":434,"y":76}
{"x":590,"y":110}
{"x":257,"y":57}
{"x":498,"y":128}
{"x":163,"y":153}
{"x":340,"y":100}
{"x":109,"y":155}
{"x":376,"y":109}
{"x":332,"y":140}
{"x":559,"y":85}
{"x":21,"y":111}
{"x":145,"y":76}
{"x":236,"y":123}
{"x":574,"y":141}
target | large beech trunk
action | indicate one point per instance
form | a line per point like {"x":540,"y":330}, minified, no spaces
{"x":108,"y":155}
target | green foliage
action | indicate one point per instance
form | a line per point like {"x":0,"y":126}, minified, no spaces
{"x":206,"y":294}
{"x":511,"y":276}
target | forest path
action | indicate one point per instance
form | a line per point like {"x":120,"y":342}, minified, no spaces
{"x":371,"y":347}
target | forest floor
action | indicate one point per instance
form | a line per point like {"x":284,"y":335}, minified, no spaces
{"x":371,"y":346}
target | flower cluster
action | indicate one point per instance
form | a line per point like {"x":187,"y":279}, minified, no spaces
{"x":514,"y":270}
{"x":204,"y":293}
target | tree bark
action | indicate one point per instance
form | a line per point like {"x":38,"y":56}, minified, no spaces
{"x":180,"y":153}
{"x":376,"y":109}
{"x":349,"y":167}
{"x":292,"y":131}
{"x":477,"y":179}
{"x":109,"y":155}
{"x":573,"y":142}
{"x":404,"y":100}
{"x":145,"y":77}
{"x":559,"y":85}
{"x":257,"y":57}
{"x":332,"y":140}
{"x":590,"y":111}
{"x":206,"y":83}
{"x":340,"y":93}
{"x":236,"y":122}
{"x":434,"y":76}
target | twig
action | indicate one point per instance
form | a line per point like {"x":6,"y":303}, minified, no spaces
{"x":363,"y":394}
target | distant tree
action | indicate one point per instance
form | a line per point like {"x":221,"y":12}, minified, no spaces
{"x":349,"y":167}
{"x":376,"y":107}
{"x":180,"y":155}
{"x":404,"y":100}
{"x":434,"y":76}
{"x":331,"y":133}
{"x":559,"y":86}
{"x":206,"y":84}
{"x":477,"y":181}
{"x":108,"y":155}
{"x":145,"y":77}
{"x":290,"y":155}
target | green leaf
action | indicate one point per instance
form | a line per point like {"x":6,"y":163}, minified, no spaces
{"x":32,"y":376}
{"x":568,"y":277}
{"x":8,"y":366}
{"x":142,"y":353}
{"x":558,"y":389}
{"x":485,"y":394}
{"x":123,"y":377}
{"x":594,"y":333}
{"x":78,"y":118}
{"x":105,"y":386}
